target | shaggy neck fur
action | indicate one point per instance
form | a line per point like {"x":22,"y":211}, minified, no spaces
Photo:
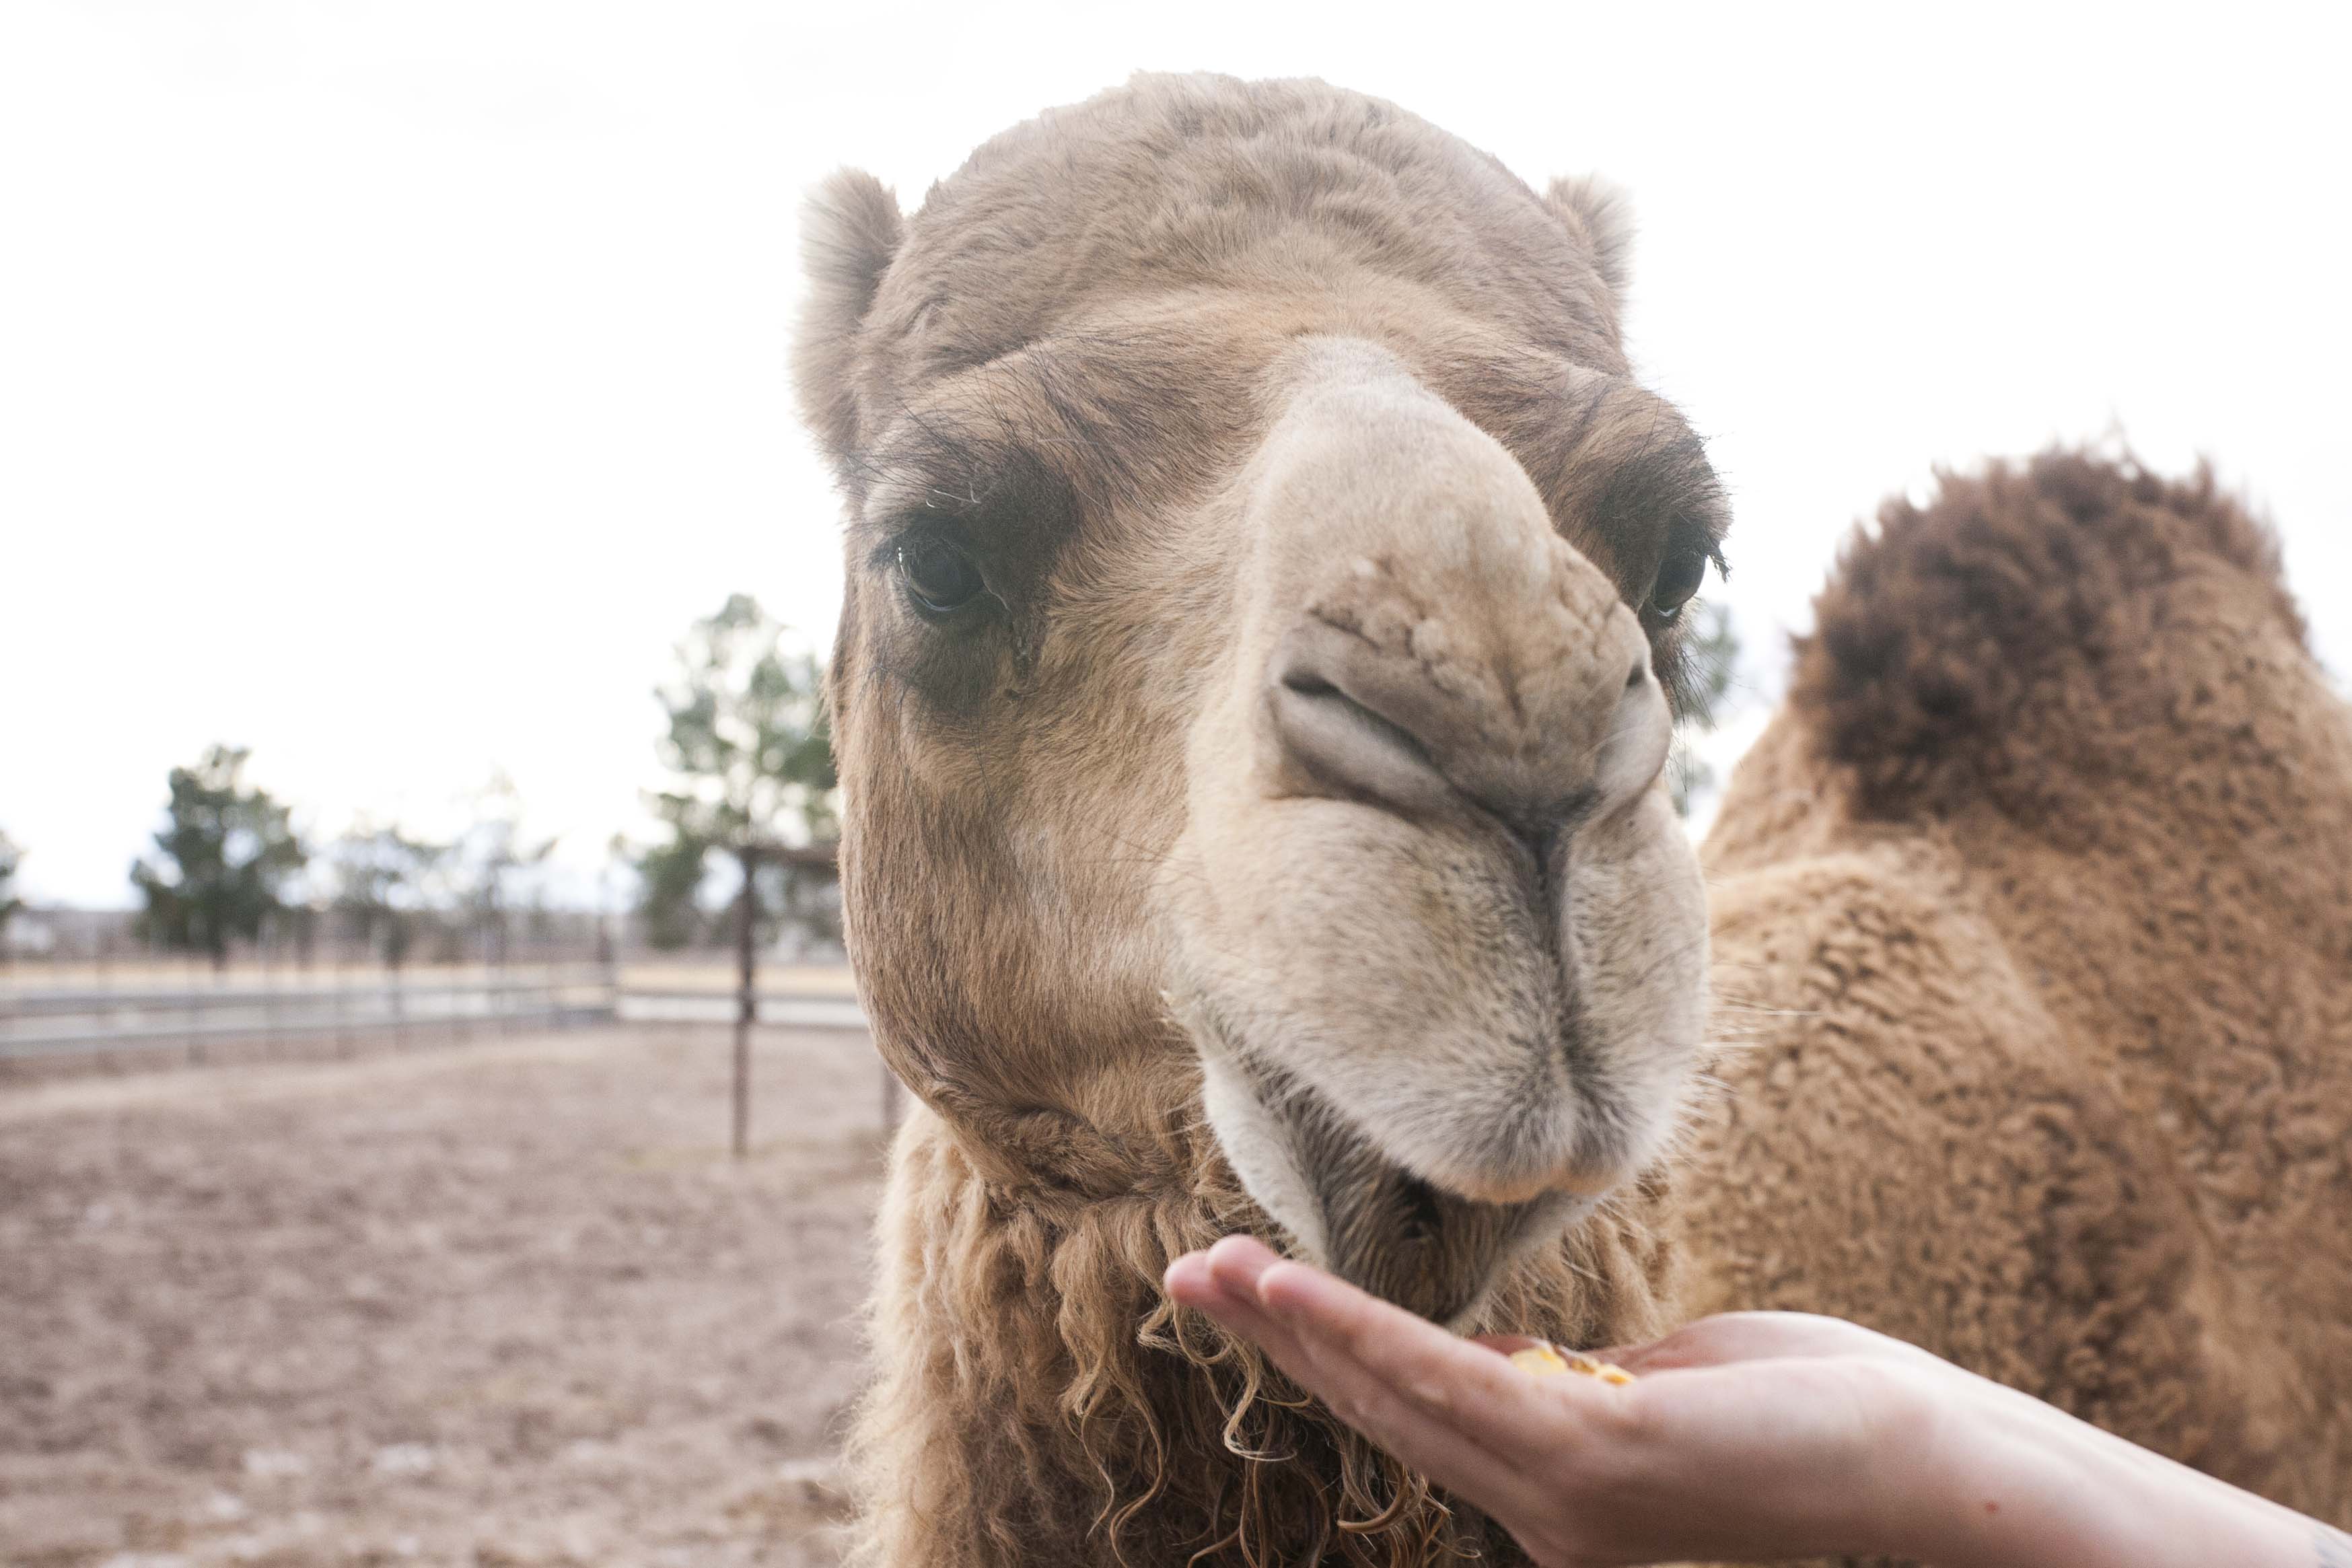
{"x":1040,"y":1401}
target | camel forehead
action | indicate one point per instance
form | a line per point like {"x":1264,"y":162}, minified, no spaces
{"x":1174,"y":186}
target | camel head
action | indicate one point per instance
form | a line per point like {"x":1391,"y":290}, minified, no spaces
{"x":1256,"y":668}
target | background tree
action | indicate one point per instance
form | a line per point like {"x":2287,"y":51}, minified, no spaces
{"x":226,"y":857}
{"x":10,"y":858}
{"x":669,"y":882}
{"x":1712,"y":660}
{"x":752,"y":756}
{"x":495,"y":864}
{"x":382,"y":881}
{"x":616,"y":859}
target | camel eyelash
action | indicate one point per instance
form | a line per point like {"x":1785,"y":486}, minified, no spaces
{"x":1680,"y":573}
{"x":940,"y":575}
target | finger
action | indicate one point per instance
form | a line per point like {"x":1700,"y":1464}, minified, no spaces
{"x":1454,"y":1410}
{"x":1478,"y":1393}
{"x":1423,"y":1445}
{"x":1226,"y":1287}
{"x":1446,"y":1431}
{"x":1192,"y":1283}
{"x":1239,"y":1265}
{"x":1240,"y":1260}
{"x":1422,"y":1440}
{"x":1188,"y":1278}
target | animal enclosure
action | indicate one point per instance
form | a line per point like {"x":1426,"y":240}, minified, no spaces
{"x":503,"y":1303}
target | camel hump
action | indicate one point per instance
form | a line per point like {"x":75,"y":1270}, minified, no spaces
{"x":1954,"y":632}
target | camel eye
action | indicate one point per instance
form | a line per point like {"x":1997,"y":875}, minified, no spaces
{"x":941,"y":578}
{"x":1678,"y":579}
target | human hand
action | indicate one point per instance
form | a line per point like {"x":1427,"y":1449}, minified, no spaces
{"x":1749,"y":1435}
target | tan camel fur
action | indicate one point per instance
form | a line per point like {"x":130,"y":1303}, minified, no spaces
{"x":1264,"y":593}
{"x":2035,"y":909}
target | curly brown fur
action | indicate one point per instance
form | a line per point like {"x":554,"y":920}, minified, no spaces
{"x":1048,"y":1406}
{"x":2033,"y":928}
{"x":1939,"y":631}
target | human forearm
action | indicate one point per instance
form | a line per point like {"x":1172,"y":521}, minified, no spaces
{"x":2004,"y":1481}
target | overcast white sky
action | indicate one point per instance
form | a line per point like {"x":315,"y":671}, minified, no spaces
{"x":384,"y":386}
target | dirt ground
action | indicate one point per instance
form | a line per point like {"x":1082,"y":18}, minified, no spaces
{"x":493,"y":1304}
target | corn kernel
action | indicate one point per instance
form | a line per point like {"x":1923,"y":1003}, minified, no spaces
{"x":1545,"y":1360}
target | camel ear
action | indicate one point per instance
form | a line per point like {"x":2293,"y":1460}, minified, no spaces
{"x":850,"y":229}
{"x":1601,"y":218}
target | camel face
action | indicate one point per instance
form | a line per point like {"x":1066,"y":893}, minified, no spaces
{"x":1438,"y":936}
{"x":1264,"y":582}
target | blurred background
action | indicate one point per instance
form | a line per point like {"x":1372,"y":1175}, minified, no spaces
{"x":413,"y":585}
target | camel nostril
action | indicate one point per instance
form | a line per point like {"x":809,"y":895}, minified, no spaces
{"x":1362,"y":714}
{"x":1351,"y":746}
{"x":1639,"y":734}
{"x":1357,"y":722}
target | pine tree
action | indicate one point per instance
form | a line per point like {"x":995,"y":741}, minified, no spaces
{"x":226,"y":858}
{"x":751,"y":756}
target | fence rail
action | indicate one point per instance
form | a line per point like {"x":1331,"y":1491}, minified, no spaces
{"x":797,"y":1009}
{"x":53,"y":1021}
{"x":64,"y":1022}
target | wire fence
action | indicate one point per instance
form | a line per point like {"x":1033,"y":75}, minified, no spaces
{"x":66,"y":1021}
{"x":53,"y":1021}
{"x":71,"y":1022}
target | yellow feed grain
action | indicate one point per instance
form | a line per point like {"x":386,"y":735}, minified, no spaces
{"x":1544,"y":1361}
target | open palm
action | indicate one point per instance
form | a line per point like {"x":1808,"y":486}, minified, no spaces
{"x":1747,"y":1434}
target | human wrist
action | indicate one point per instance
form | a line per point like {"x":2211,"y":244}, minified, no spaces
{"x":1908,"y":1504}
{"x":1966,"y":1460}
{"x":2005,"y":1481}
{"x":2012,"y":1482}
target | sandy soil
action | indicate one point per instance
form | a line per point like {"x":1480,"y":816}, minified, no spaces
{"x":492,"y":1304}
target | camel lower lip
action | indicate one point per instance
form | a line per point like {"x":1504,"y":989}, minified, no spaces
{"x":1395,"y":1234}
{"x":1440,"y":1265}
